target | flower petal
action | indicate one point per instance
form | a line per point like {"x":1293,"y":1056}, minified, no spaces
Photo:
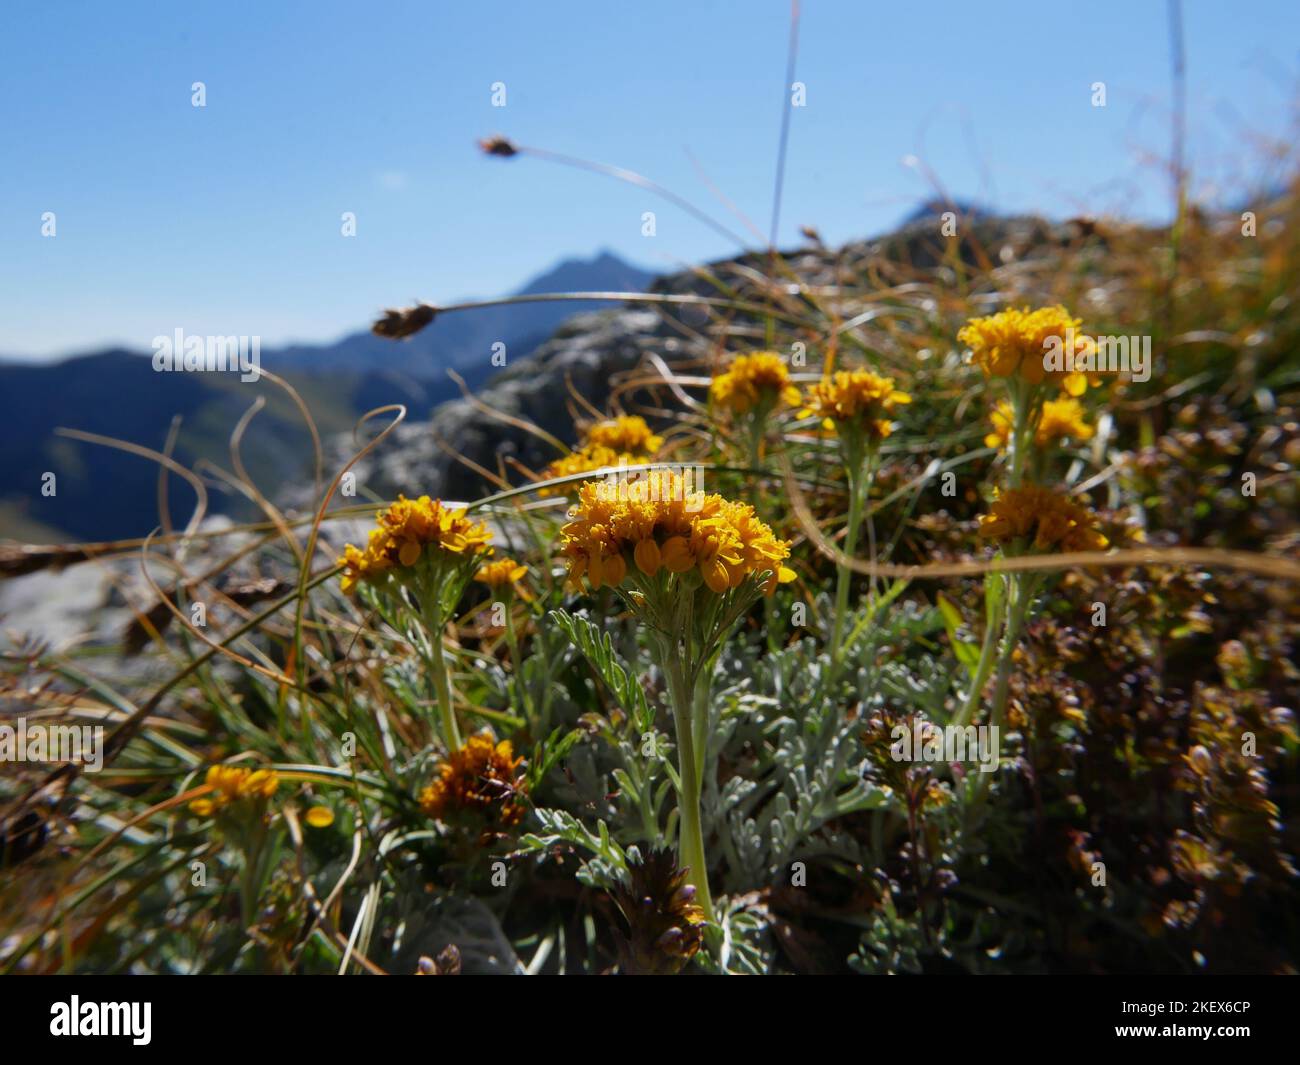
{"x":647,"y":557}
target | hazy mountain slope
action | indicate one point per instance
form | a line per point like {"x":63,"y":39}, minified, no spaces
{"x":103,"y":493}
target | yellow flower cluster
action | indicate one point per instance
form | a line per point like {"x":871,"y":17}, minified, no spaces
{"x":587,"y":459}
{"x":230,"y":784}
{"x":759,"y":380}
{"x":1061,"y":419}
{"x":627,"y":433}
{"x":1042,"y":518}
{"x":856,"y":400}
{"x":482,"y":776}
{"x":405,"y":530}
{"x":1013,"y":343}
{"x":500,"y":573}
{"x":657,"y":522}
{"x":622,"y":441}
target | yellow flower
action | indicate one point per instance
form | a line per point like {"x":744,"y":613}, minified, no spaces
{"x":481,"y":777}
{"x":627,"y":433}
{"x":1043,"y":519}
{"x":622,"y":441}
{"x":501,"y":572}
{"x":1014,"y":342}
{"x":1061,"y":419}
{"x":759,"y":380}
{"x":855,"y":401}
{"x":658,"y":522}
{"x":588,"y":459}
{"x":409,"y":530}
{"x":1003,"y":420}
{"x":320,"y":817}
{"x":229,"y":784}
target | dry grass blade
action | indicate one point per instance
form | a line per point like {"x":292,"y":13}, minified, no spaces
{"x":1209,"y":557}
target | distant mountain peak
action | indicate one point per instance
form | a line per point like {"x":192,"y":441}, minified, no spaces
{"x":935,"y":208}
{"x":463,"y":340}
{"x":604,"y":267}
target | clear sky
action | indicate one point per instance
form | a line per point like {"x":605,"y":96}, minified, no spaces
{"x":226,"y":219}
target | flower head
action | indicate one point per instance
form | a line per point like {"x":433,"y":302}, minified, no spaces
{"x":756,"y":381}
{"x":1013,"y":343}
{"x":1043,"y":519}
{"x":588,"y":459}
{"x":622,"y":441}
{"x":584,"y":460}
{"x":665,"y":926}
{"x":447,"y":963}
{"x":1061,"y":419}
{"x":500,"y":573}
{"x":856,"y":402}
{"x":498,"y":145}
{"x":657,"y":523}
{"x":319,"y":817}
{"x":409,"y":530}
{"x":481,"y":778}
{"x":400,"y":323}
{"x":626,"y":433}
{"x":231,"y":784}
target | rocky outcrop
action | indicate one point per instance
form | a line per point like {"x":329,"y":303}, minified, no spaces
{"x":583,"y":355}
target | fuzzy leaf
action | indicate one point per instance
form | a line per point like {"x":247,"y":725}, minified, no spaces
{"x":597,"y":647}
{"x":967,"y":651}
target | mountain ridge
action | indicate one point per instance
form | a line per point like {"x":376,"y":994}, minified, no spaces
{"x":102,"y":493}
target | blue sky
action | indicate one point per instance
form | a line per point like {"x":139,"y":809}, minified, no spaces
{"x":226,"y":219}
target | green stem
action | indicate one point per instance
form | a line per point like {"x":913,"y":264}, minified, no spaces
{"x":756,"y":433}
{"x":691,"y":834}
{"x":699,"y":686}
{"x":985,"y":665}
{"x":770,"y":623}
{"x":435,"y":621}
{"x":442,"y":688}
{"x":516,"y":663}
{"x":1020,"y":418}
{"x":844,"y":575}
{"x":1019,"y":592}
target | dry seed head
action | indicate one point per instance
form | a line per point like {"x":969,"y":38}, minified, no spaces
{"x":400,"y":323}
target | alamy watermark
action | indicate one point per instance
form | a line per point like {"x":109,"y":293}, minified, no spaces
{"x":196,"y":354}
{"x":83,"y":744}
{"x":1102,"y":354}
{"x":662,"y":484}
{"x":77,"y":1018}
{"x":924,"y":741}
